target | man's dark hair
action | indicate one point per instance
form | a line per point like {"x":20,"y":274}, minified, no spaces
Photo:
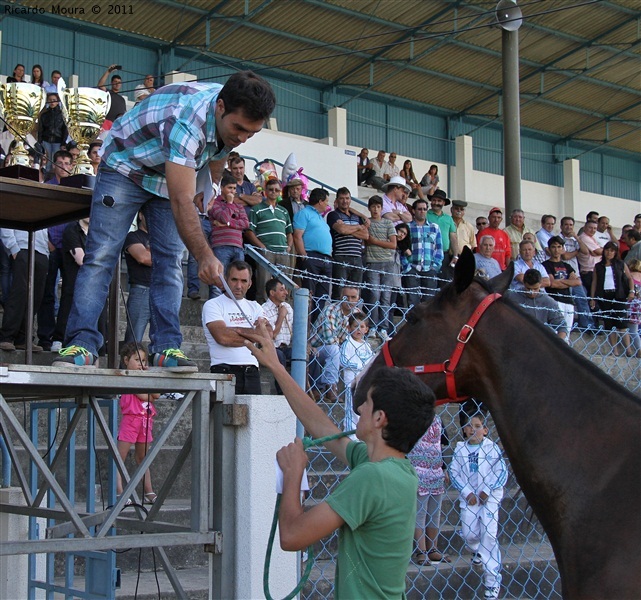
{"x":417,"y":202}
{"x":227,"y":179}
{"x":317,"y":195}
{"x":55,"y":72}
{"x":249,"y":93}
{"x":236,"y":160}
{"x":343,"y":190}
{"x":544,"y":217}
{"x":555,"y":239}
{"x":239,"y":265}
{"x":116,"y":78}
{"x":271,"y":285}
{"x":374,"y":200}
{"x":637,"y":216}
{"x":62,"y":154}
{"x":633,"y":234}
{"x":531,"y":277}
{"x":590,"y":216}
{"x":93,"y":145}
{"x":408,"y":404}
{"x":567,"y":219}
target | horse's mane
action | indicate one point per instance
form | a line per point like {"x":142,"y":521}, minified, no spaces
{"x":448,"y":293}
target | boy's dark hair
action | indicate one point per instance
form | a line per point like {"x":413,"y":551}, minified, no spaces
{"x":374,"y":200}
{"x":249,"y":93}
{"x":531,"y":277}
{"x":93,"y":145}
{"x":480,"y":416}
{"x":227,"y":179}
{"x":131,"y":349}
{"x":239,"y":265}
{"x":317,"y":195}
{"x":61,"y":154}
{"x":116,"y":78}
{"x":271,"y":285}
{"x":55,"y":72}
{"x":408,"y":404}
{"x":555,"y":239}
{"x":358,"y":317}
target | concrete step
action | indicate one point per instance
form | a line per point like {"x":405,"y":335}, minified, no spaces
{"x":528,"y":572}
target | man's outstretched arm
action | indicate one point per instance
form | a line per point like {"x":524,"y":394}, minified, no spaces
{"x":315,"y":421}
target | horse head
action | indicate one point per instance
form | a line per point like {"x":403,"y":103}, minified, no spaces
{"x":432,"y":329}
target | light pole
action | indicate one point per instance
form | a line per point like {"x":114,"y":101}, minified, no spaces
{"x":508,"y":17}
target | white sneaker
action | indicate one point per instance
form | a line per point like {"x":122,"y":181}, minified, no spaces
{"x":383,"y":335}
{"x":172,"y":396}
{"x":492,"y":592}
{"x":56,"y":346}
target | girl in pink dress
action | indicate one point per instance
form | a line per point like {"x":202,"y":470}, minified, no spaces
{"x":137,"y":420}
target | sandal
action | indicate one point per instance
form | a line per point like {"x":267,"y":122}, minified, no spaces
{"x":436,"y":556}
{"x":150,"y":498}
{"x":420,"y":558}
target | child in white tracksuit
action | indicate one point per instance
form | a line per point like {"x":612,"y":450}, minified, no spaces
{"x":355,"y":352}
{"x":479,"y":473}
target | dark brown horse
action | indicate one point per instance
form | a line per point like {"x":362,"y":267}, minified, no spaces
{"x":572,"y":434}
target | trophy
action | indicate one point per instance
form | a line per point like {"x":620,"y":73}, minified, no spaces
{"x":84,"y":110}
{"x":20,"y":106}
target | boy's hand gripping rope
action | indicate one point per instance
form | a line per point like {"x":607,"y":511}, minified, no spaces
{"x":307,"y":443}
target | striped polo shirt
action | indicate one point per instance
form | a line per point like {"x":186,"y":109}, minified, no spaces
{"x":271,"y":224}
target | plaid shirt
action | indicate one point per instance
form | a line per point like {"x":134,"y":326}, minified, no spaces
{"x":331,"y":326}
{"x":175,"y":124}
{"x":427,"y":246}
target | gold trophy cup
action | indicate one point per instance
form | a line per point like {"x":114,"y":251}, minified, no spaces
{"x":20,"y":106}
{"x":84,"y":110}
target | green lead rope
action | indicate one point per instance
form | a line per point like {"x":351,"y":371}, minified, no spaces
{"x":307,"y":443}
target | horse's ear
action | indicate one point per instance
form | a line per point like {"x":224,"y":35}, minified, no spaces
{"x":501,"y":282}
{"x":464,"y":270}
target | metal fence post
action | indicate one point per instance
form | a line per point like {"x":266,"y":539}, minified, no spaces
{"x":299,"y":343}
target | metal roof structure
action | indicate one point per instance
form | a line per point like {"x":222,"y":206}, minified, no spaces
{"x":580,"y":60}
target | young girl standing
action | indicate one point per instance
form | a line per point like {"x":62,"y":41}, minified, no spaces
{"x":137,"y":419}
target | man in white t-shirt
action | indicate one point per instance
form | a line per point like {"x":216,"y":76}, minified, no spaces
{"x":223,"y":317}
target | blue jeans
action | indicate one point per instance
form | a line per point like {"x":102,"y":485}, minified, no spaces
{"x":422,"y":285}
{"x":193,"y":283}
{"x":324,"y":366}
{"x":582,"y":315}
{"x":116,"y":200}
{"x":381,"y":278}
{"x":138,"y":312}
{"x":226,"y":255}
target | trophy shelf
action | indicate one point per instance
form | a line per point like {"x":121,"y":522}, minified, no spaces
{"x":30,"y":206}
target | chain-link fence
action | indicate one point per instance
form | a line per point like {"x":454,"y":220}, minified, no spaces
{"x":337,"y":351}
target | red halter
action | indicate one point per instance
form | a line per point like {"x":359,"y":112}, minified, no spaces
{"x":449,"y":366}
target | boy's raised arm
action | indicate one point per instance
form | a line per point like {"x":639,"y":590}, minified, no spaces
{"x":315,"y":421}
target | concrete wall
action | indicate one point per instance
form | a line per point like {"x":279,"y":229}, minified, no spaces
{"x":271,"y":425}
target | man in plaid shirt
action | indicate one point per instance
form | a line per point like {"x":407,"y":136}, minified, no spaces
{"x":427,"y":255}
{"x":331,"y":332}
{"x":149,"y":163}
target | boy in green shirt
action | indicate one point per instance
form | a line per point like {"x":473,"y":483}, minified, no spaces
{"x":375,"y":506}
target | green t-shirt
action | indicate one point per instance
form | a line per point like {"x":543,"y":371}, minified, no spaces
{"x":377,"y":501}
{"x":446,"y":225}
